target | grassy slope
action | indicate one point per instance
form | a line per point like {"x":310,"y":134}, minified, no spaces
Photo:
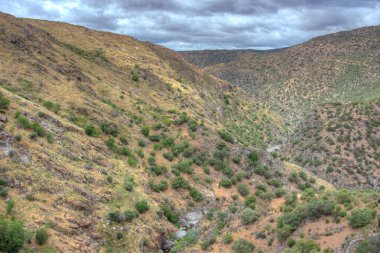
{"x":337,"y":68}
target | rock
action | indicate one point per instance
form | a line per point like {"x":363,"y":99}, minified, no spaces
{"x":191,"y":219}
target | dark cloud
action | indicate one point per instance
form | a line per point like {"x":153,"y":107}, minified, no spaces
{"x":208,"y":24}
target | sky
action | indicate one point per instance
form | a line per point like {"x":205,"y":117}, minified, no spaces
{"x":207,"y":24}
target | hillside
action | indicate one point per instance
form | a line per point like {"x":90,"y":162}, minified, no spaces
{"x":336,"y":75}
{"x":109,"y":144}
{"x":341,"y":67}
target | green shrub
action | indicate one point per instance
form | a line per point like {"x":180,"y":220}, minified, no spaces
{"x":129,"y":184}
{"x":243,"y":190}
{"x":55,"y":107}
{"x":179,"y":183}
{"x":4,"y":192}
{"x":145,"y":131}
{"x":226,"y":136}
{"x":124,"y":140}
{"x":284,"y":232}
{"x":227,"y":239}
{"x":360,"y":217}
{"x":141,"y":142}
{"x":109,"y":128}
{"x":161,"y":186}
{"x":250,"y":201}
{"x":318,"y":208}
{"x":125,"y":151}
{"x":132,"y":161}
{"x":280,"y":192}
{"x":184,"y":166}
{"x":195,"y":194}
{"x":142,"y":206}
{"x":155,"y":138}
{"x":42,"y":236}
{"x":191,"y":237}
{"x":304,"y":246}
{"x":130,"y":215}
{"x":236,"y":159}
{"x":115,"y":216}
{"x":135,"y":77}
{"x":10,"y":205}
{"x":371,"y":245}
{"x":3,"y":182}
{"x":242,"y":246}
{"x":168,"y":156}
{"x":4,"y":102}
{"x":111,"y":144}
{"x":249,"y":216}
{"x":91,"y":131}
{"x":253,"y":157}
{"x":226,"y":183}
{"x":170,"y":214}
{"x":12,"y":235}
{"x":49,"y":138}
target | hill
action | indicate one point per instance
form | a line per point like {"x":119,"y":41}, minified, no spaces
{"x":109,"y":144}
{"x":334,"y":74}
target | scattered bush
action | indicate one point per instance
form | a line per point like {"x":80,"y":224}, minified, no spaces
{"x":168,"y":156}
{"x":10,"y":205}
{"x":142,"y":206}
{"x":91,"y":131}
{"x":55,"y":107}
{"x":253,"y":157}
{"x":179,"y":183}
{"x":145,"y":131}
{"x":4,"y":192}
{"x":226,"y":136}
{"x":155,"y":138}
{"x":170,"y":214}
{"x":304,"y":246}
{"x":243,"y":190}
{"x":4,"y":102}
{"x":318,"y":208}
{"x":360,"y":217}
{"x":227,"y":239}
{"x":371,"y":245}
{"x":161,"y":186}
{"x":226,"y":183}
{"x":129,"y":184}
{"x":242,"y":246}
{"x":42,"y":236}
{"x":195,"y":194}
{"x":109,"y":128}
{"x":130,"y":215}
{"x":135,"y":77}
{"x":249,"y":216}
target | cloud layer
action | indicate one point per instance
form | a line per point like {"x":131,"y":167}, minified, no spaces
{"x":207,"y":24}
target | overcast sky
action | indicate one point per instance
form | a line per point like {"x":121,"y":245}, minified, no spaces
{"x":207,"y":24}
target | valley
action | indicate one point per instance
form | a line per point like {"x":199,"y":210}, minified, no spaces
{"x":111,"y":144}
